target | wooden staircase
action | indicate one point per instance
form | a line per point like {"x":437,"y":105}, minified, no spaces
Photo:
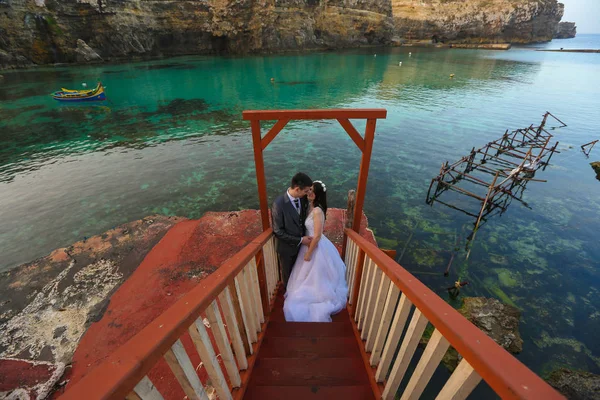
{"x":301,"y":360}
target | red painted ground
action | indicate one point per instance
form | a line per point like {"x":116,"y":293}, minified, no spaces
{"x":34,"y":378}
{"x":186,"y":254}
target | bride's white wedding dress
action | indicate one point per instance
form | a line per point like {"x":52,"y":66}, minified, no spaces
{"x":316,"y":288}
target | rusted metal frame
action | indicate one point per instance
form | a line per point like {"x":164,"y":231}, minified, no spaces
{"x":587,"y":152}
{"x":483,"y":168}
{"x":429,"y":198}
{"x":360,"y":262}
{"x":515,"y":150}
{"x":547,"y":162}
{"x":506,"y":375}
{"x":470,"y":160}
{"x":260,"y":173}
{"x":511,"y":177}
{"x":501,"y":159}
{"x":486,"y":152}
{"x":123,"y":369}
{"x":452,"y":187}
{"x":509,"y":153}
{"x":368,"y":113}
{"x":456,"y":208}
{"x":543,"y":123}
{"x":487,"y":197}
{"x":363,"y":173}
{"x":376,"y":387}
{"x":462,"y":160}
{"x":556,"y":118}
{"x":462,"y":176}
{"x":477,"y":180}
{"x":238,"y":393}
{"x":279,"y":125}
{"x":352,"y":132}
{"x":542,"y":153}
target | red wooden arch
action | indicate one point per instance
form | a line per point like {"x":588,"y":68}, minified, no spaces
{"x":343,"y":116}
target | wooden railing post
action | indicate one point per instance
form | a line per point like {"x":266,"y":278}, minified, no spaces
{"x":363,"y":174}
{"x":349,"y":218}
{"x":262,"y":282}
{"x":260,"y":174}
{"x":357,"y":276}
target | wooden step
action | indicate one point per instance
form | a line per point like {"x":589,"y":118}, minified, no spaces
{"x":309,"y":392}
{"x":309,"y":371}
{"x":303,"y":347}
{"x":309,"y":329}
{"x":278,"y":315}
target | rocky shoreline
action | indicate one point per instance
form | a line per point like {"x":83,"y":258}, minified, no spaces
{"x":44,"y":32}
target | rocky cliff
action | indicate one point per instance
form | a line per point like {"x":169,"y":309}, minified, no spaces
{"x":565,"y":30}
{"x":56,"y":31}
{"x":483,"y":21}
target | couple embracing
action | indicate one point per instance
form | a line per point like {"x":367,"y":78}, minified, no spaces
{"x":312,"y":270}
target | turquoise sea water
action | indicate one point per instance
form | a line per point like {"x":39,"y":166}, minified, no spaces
{"x":171,"y":140}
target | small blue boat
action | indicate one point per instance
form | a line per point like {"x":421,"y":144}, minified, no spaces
{"x":96,"y":94}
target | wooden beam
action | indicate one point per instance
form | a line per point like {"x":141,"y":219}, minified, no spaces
{"x":273,"y":132}
{"x":353,"y":133}
{"x":260,"y":174}
{"x":256,"y":115}
{"x":363,"y":174}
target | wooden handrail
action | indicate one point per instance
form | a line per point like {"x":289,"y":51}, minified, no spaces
{"x":122,"y":370}
{"x":343,"y":113}
{"x":507,"y":376}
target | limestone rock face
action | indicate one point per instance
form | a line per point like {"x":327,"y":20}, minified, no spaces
{"x":491,"y":21}
{"x":47,"y":31}
{"x":565,"y":30}
{"x":85,"y":53}
{"x":576,"y":385}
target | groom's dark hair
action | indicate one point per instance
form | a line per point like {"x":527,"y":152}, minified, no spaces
{"x":301,"y":180}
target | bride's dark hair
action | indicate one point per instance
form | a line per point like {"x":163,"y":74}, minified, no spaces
{"x":320,"y":197}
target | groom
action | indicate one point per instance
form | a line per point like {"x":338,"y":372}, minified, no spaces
{"x":288,"y":214}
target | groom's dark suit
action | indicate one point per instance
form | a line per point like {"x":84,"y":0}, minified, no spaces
{"x":288,"y":227}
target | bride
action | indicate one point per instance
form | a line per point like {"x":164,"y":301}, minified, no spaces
{"x":317,"y":286}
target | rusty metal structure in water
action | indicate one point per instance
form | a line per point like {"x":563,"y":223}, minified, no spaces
{"x":496,"y":173}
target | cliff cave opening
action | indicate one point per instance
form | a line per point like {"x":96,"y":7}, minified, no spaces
{"x":220,"y":44}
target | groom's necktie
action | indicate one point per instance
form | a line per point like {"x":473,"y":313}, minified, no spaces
{"x":297,"y":205}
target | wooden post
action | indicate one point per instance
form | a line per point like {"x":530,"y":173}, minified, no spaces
{"x":357,"y":276}
{"x":364,"y":173}
{"x":262,"y":282}
{"x":260,"y":174}
{"x":349,"y":219}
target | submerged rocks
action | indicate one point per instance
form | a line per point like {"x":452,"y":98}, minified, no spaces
{"x":565,"y":30}
{"x":498,"y":320}
{"x":596,"y":166}
{"x":85,"y":53}
{"x":576,"y":385}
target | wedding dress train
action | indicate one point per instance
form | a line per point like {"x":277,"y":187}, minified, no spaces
{"x":316,"y":288}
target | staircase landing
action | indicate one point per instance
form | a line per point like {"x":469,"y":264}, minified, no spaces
{"x":307,"y":360}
